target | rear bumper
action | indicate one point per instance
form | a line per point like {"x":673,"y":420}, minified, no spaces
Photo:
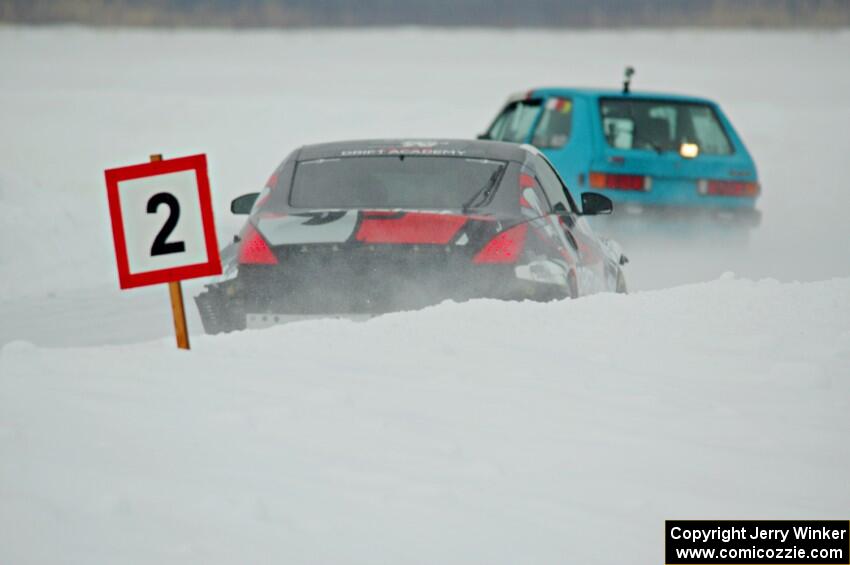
{"x":266,"y":320}
{"x":682,"y":197}
{"x":363,"y":284}
{"x":377,"y":292}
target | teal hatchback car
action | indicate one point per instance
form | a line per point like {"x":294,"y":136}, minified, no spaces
{"x":650,"y":153}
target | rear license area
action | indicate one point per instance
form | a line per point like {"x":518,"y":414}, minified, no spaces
{"x":359,"y":279}
{"x":265,"y":320}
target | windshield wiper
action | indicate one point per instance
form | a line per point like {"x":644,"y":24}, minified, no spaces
{"x":483,"y":193}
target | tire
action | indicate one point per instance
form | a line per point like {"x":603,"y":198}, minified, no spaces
{"x":621,"y":283}
{"x":572,"y":284}
{"x":218,"y":313}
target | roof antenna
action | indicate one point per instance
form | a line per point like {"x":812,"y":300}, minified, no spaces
{"x":627,"y":82}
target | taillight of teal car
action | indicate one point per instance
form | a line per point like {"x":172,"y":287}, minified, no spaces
{"x":647,"y":152}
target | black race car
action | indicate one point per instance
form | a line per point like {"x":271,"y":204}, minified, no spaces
{"x":367,"y":227}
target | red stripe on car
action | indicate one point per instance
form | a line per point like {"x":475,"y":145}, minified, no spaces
{"x":411,"y":228}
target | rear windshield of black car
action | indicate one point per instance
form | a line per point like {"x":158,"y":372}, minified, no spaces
{"x":662,"y":125}
{"x":391,"y":182}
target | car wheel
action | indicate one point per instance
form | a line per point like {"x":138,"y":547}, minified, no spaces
{"x":621,"y":283}
{"x":218,"y":312}
{"x":572,"y":284}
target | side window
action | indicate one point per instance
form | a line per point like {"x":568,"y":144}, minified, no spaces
{"x":495,"y":131}
{"x":555,"y":191}
{"x":515,"y":121}
{"x":531,"y":195}
{"x":278,"y":185}
{"x":555,"y":125}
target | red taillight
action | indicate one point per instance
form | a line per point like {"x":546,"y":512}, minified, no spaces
{"x":728,"y":188}
{"x":254,"y":249}
{"x":505,"y":247}
{"x":620,"y":182}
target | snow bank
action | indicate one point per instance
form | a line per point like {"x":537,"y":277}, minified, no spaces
{"x":485,"y":432}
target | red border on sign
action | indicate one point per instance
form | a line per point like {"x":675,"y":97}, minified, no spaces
{"x":197,"y":163}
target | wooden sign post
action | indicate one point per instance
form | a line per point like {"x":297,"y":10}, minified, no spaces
{"x":179,"y":312}
{"x":175,"y":291}
{"x":152,"y":247}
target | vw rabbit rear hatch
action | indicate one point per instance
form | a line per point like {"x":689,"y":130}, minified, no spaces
{"x":668,"y":151}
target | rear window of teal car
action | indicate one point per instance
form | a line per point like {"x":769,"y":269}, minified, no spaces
{"x":662,"y":125}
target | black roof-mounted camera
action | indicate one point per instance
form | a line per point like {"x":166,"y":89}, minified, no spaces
{"x":627,"y":81}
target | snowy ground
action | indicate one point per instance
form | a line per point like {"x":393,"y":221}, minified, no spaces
{"x":483,"y":432}
{"x":478,"y":433}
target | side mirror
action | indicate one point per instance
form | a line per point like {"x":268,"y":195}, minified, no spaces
{"x":484,"y":135}
{"x":593,"y":204}
{"x":242,"y":204}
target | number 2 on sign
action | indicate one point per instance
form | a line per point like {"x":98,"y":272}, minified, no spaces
{"x":160,"y":244}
